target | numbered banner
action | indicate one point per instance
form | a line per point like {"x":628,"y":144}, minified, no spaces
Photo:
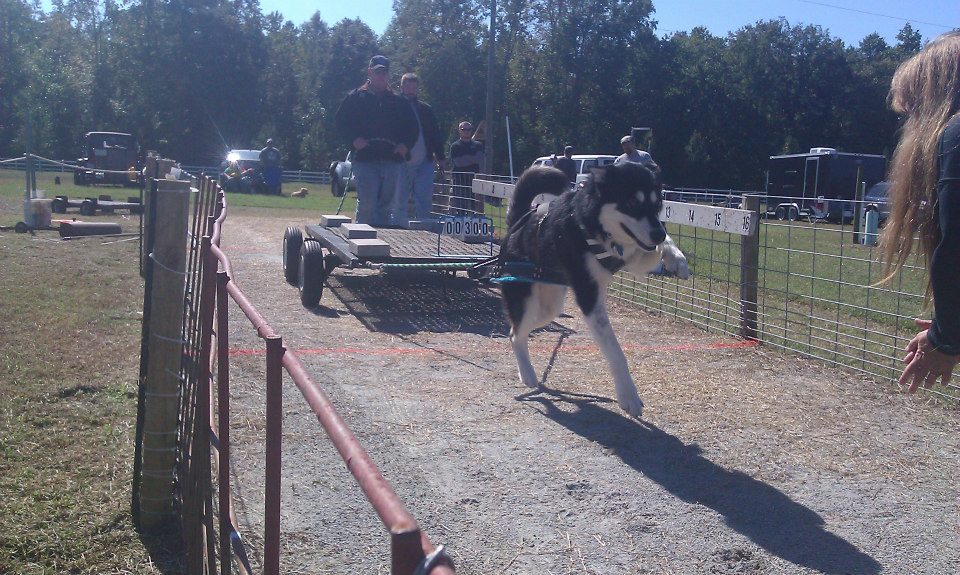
{"x":492,"y":189}
{"x":729,"y":220}
{"x":463,"y":227}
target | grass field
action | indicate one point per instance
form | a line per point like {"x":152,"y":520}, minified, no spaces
{"x":69,"y":357}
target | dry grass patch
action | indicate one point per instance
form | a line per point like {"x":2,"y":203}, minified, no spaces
{"x":69,"y":356}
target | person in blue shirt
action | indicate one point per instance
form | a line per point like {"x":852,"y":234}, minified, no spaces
{"x":925,"y":197}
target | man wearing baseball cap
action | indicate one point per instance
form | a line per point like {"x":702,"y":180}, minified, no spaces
{"x":466,"y":155}
{"x":380,"y":128}
{"x":632,"y":154}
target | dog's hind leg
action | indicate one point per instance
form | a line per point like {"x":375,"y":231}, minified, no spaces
{"x":530,"y":306}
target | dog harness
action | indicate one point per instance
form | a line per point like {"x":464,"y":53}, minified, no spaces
{"x":498,"y":271}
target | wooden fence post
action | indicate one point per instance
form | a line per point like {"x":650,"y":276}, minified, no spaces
{"x":749,"y":270}
{"x":162,"y":386}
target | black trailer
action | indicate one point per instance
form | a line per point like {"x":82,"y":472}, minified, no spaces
{"x":453,"y":244}
{"x":809,"y":185}
{"x":90,"y":206}
{"x":111,"y":158}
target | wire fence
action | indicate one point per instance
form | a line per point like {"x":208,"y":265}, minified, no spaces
{"x":818,"y":290}
{"x":815,"y":285}
{"x":67,"y":166}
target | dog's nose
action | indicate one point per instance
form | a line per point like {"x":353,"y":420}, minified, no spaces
{"x":658,"y":235}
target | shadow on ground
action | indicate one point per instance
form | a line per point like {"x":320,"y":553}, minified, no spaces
{"x":765,"y":515}
{"x":409,"y":302}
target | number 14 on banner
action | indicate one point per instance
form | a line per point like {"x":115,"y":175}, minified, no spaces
{"x":730,"y":220}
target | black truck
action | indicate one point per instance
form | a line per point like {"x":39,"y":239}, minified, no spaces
{"x":111,"y":158}
{"x":810,"y":185}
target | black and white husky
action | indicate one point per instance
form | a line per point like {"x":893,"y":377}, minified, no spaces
{"x":580,"y":240}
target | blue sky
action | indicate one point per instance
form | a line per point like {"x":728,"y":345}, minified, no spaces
{"x":849,"y":20}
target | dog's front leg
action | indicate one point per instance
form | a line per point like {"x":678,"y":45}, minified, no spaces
{"x":627,"y":395}
{"x":673,"y":259}
{"x":522,"y":352}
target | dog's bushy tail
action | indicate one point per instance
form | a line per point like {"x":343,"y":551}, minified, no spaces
{"x":533,"y":182}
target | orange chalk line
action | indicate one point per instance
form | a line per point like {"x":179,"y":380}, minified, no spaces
{"x":386,"y":351}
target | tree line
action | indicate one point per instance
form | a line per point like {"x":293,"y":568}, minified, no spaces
{"x":194,"y":78}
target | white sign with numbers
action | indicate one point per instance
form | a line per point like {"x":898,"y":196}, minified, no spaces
{"x":464,"y":227}
{"x":730,"y":220}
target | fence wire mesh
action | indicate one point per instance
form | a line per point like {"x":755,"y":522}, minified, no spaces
{"x":818,"y":289}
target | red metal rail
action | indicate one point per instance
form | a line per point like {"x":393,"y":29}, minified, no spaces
{"x":409,"y":545}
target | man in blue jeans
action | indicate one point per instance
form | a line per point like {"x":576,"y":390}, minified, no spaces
{"x":426,"y":156}
{"x":381,"y":128}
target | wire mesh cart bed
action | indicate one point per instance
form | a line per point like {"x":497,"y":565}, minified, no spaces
{"x":453,"y":244}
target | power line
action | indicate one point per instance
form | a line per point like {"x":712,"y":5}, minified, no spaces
{"x":908,"y":20}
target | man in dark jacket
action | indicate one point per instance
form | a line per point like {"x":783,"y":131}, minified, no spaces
{"x":426,"y":156}
{"x":567,"y":165}
{"x":382,"y":128}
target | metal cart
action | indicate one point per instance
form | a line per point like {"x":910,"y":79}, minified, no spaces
{"x":454,"y":243}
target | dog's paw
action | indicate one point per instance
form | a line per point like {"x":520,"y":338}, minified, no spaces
{"x":529,"y":378}
{"x":632,"y":404}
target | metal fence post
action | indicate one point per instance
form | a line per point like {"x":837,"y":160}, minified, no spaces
{"x":271,"y":515}
{"x":749,"y":270}
{"x":406,"y":551}
{"x":223,"y":422}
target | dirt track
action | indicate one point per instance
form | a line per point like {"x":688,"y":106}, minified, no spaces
{"x":746,"y":461}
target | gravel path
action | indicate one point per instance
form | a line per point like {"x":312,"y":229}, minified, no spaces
{"x":746,"y":461}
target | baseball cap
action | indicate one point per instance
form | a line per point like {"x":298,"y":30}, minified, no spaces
{"x":626,"y":139}
{"x":466,"y":126}
{"x":379,"y":61}
{"x":568,"y":149}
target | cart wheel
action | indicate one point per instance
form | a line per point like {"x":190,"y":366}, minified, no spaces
{"x":292,"y":240}
{"x":58,"y":205}
{"x":312,"y":273}
{"x":88,"y":208}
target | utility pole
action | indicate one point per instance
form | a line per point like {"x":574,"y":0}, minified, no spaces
{"x":489,"y":124}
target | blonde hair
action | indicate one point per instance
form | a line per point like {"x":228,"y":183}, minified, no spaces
{"x":926,"y":91}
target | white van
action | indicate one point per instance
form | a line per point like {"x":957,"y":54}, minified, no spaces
{"x":583,"y":161}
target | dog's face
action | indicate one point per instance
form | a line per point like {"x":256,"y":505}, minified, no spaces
{"x":629,"y":197}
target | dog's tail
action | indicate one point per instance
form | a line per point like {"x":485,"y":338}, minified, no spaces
{"x":533,"y":182}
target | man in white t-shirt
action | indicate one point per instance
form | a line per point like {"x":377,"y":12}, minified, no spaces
{"x":632,"y":154}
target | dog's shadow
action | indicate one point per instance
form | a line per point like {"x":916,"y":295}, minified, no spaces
{"x":409,"y":302}
{"x":764,"y":514}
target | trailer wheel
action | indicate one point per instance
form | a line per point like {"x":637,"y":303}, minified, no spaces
{"x":88,"y":207}
{"x":792,"y":213}
{"x":312,"y":273}
{"x":780,"y":213}
{"x":292,"y":240}
{"x":58,"y":205}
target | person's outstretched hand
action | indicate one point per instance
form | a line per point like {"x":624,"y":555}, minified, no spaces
{"x":926,"y":365}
